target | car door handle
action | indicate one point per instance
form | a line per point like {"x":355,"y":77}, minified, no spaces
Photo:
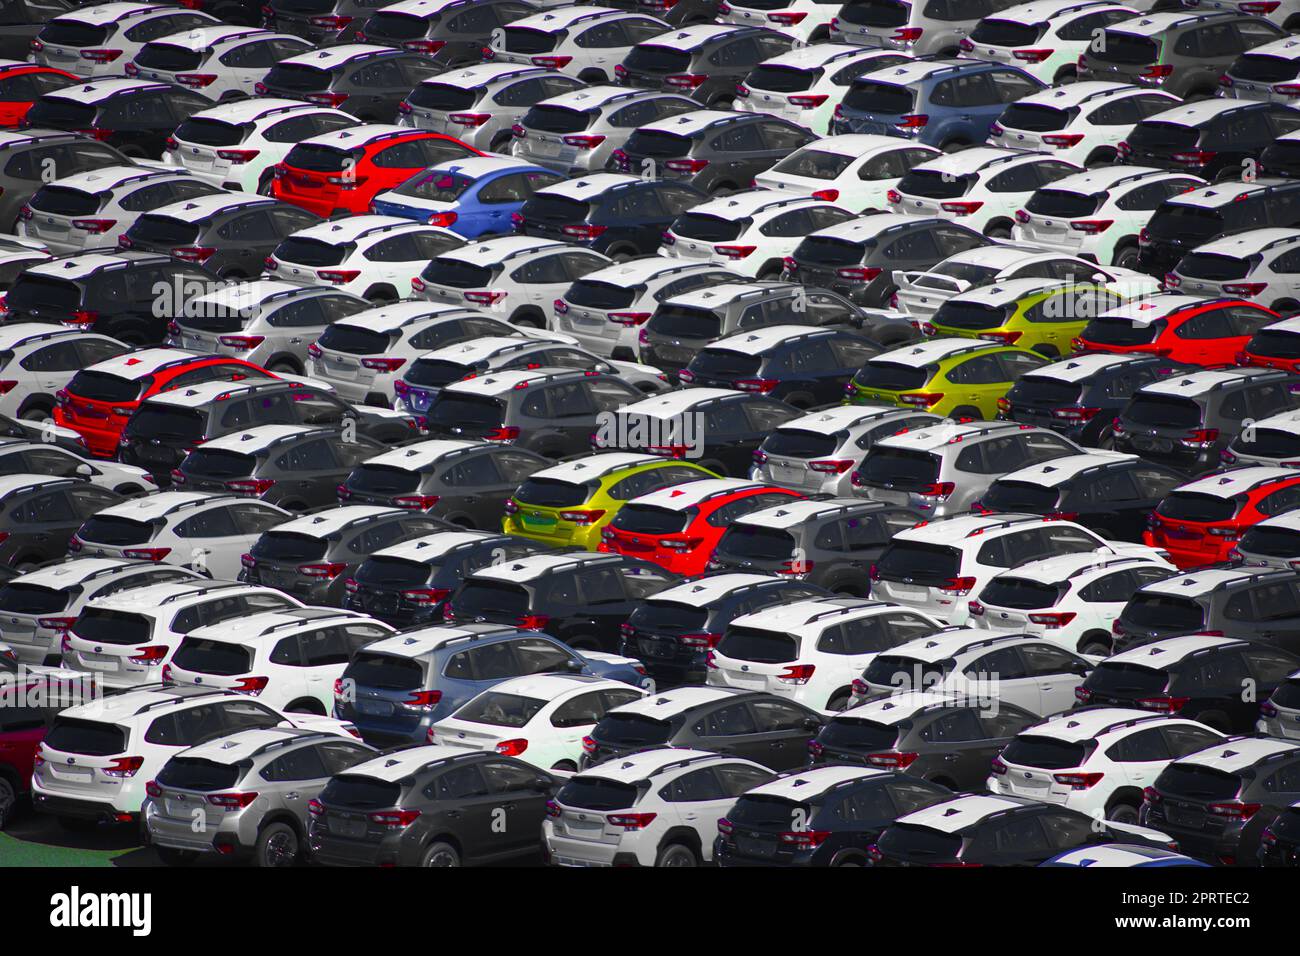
{"x":291,"y":796}
{"x":453,"y":814}
{"x":776,"y":743}
{"x":951,"y":757}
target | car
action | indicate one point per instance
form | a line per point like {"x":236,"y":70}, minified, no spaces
{"x":474,"y":198}
{"x":1186,"y":421}
{"x":954,"y":377}
{"x":100,"y":39}
{"x":314,"y":556}
{"x":21,"y":732}
{"x":17,"y":255}
{"x":544,"y":716}
{"x":935,"y":567}
{"x":944,"y":102}
{"x":1262,"y":73}
{"x":982,"y":186}
{"x":339,"y":21}
{"x":363,"y":79}
{"x":1214,"y":139}
{"x":40,"y":606}
{"x":1266,"y":442}
{"x":288,"y":766}
{"x":806,"y":84}
{"x":30,"y":155}
{"x":1198,"y":676}
{"x":1218,"y":802}
{"x":42,"y":429}
{"x":1048,"y":37}
{"x":118,"y":745}
{"x":42,"y":512}
{"x":229,"y":235}
{"x":1271,"y":543}
{"x":749,"y":724}
{"x":678,"y":527}
{"x":375,"y":257}
{"x":345,"y":169}
{"x":1277,"y":842}
{"x":1098,"y":214}
{"x":944,"y":469}
{"x":978,"y":830}
{"x":923,"y":735}
{"x":218,"y":62}
{"x":927,"y":31}
{"x":430,"y":806}
{"x":716,"y":151}
{"x":1184,"y":328}
{"x":289,"y":659}
{"x":237,"y":145}
{"x":408,"y":584}
{"x":1110,"y":492}
{"x":658,"y":807}
{"x":615,"y":214}
{"x":22,"y":84}
{"x":1258,"y":265}
{"x":1122,"y":855}
{"x":93,"y":209}
{"x":705,"y":60}
{"x":18,"y":456}
{"x":110,"y":110}
{"x":1279,"y":159}
{"x":576,"y":131}
{"x":750,"y":232}
{"x":587,"y":44}
{"x":579,"y":598}
{"x":36,"y":360}
{"x":822,"y":452}
{"x":447,"y":33}
{"x":556,"y":505}
{"x":853,"y":170}
{"x":481,"y":103}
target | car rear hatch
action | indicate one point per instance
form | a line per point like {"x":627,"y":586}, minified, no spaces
{"x":285,"y":559}
{"x":349,"y":352}
{"x":619,"y":734}
{"x":1124,"y":57}
{"x":1188,"y":804}
{"x":768,"y":829}
{"x":849,"y":739}
{"x":86,"y":759}
{"x":78,"y":47}
{"x":646,"y":529}
{"x":1149,"y":617}
{"x":663,"y":631}
{"x":202,"y":145}
{"x":215,"y":469}
{"x":649,"y":65}
{"x":544,"y":131}
{"x":1192,"y":519}
{"x":585,"y":805}
{"x":1034,"y":400}
{"x":114,"y":537}
{"x":385,"y":695}
{"x":1030,"y":766}
{"x":384,"y":584}
{"x":920,"y":575}
{"x":551,"y":506}
{"x":346,"y":815}
{"x":318,"y":172}
{"x":182,"y":793}
{"x":468,"y":416}
{"x":723,"y":368}
{"x":899,"y":475}
{"x":1164,"y":428}
{"x":1017,"y":604}
{"x":874,"y":106}
{"x":1051,"y":214}
{"x":213,"y":663}
{"x":755,"y":658}
{"x":116,"y":645}
{"x":1163,"y":144}
{"x":788,"y":456}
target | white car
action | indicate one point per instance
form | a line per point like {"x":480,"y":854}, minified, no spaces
{"x":1099,"y":214}
{"x":1279,"y":716}
{"x":37,"y":359}
{"x":604,"y":816}
{"x":1045,"y":38}
{"x":582,"y":41}
{"x":1097,"y":761}
{"x":1081,"y":123}
{"x":375,"y":257}
{"x":18,"y":455}
{"x":806,"y":84}
{"x":91,"y":209}
{"x":1269,"y":73}
{"x":540,"y":718}
{"x":100,"y":39}
{"x":217,"y":62}
{"x":1272,"y":440}
{"x":289,"y":659}
{"x":1260,"y":264}
{"x":97,"y":757}
{"x":1070,"y":600}
{"x":808,"y":21}
{"x":853,"y":170}
{"x":811,"y":651}
{"x":981,"y":187}
{"x":750,"y":232}
{"x":237,"y":145}
{"x":189,"y":529}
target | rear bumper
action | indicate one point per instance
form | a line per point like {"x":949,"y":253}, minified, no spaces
{"x":78,"y":808}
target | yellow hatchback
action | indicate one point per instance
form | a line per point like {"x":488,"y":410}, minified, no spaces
{"x":570,"y":504}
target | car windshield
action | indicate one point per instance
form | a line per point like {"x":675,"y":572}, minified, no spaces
{"x":35,"y":293}
{"x":1197,"y":781}
{"x":781,"y":79}
{"x":64,"y":201}
{"x":909,"y":841}
{"x":502,"y":710}
{"x":905,"y":673}
{"x":1162,"y":136}
{"x":298,"y":77}
{"x":1040,"y":390}
{"x":158,"y":230}
{"x":934,"y":184}
{"x":556,"y":119}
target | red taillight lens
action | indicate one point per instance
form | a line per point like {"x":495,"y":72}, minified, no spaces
{"x":1078,"y":781}
{"x":512,"y":748}
{"x":533,"y":622}
{"x":893,"y":759}
{"x":797,"y":674}
{"x":232,"y":801}
{"x":394,"y":819}
{"x":123,"y":767}
{"x":327,"y":569}
{"x":423,"y":698}
{"x":631,"y":821}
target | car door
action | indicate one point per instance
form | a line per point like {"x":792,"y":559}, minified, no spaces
{"x":605,"y":601}
{"x":999,"y":674}
{"x":474,"y":488}
{"x":311,"y":472}
{"x":1140,"y":757}
{"x":1018,"y":840}
{"x":964,"y":747}
{"x":1056,"y":673}
{"x":301,"y":774}
{"x":520,"y":794}
{"x":698,"y":800}
{"x":464,"y":800}
{"x":215,"y":541}
{"x":782,"y":732}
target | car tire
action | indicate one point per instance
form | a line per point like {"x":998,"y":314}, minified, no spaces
{"x":306,"y":705}
{"x":1122,"y":813}
{"x":8,"y":801}
{"x":998,"y":230}
{"x":37,"y":412}
{"x":954,"y":146}
{"x":1094,"y":646}
{"x":174,"y":857}
{"x":676,"y":854}
{"x":440,"y":853}
{"x":264,"y":183}
{"x":1103,"y":156}
{"x":839,"y":700}
{"x":277,"y":846}
{"x":284,"y":367}
{"x":965,"y":411}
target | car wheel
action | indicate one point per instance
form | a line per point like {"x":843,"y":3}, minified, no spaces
{"x":1095,"y":647}
{"x":308,"y":705}
{"x":954,"y":146}
{"x":1122,"y":813}
{"x":1126,"y":258}
{"x":567,"y":765}
{"x":37,"y":413}
{"x":440,"y":854}
{"x":174,"y":857}
{"x":277,"y":846}
{"x":847,"y":860}
{"x":839,"y":701}
{"x":677,"y":854}
{"x":965,"y":411}
{"x":264,"y":183}
{"x":998,"y":231}
{"x":284,"y":367}
{"x":8,"y":801}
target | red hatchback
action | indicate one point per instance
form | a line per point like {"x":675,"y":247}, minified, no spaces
{"x":1274,"y":346}
{"x":25,"y":714}
{"x":678,"y":527}
{"x":344,"y":170}
{"x":1182,"y":328}
{"x":1201,"y":522}
{"x":99,"y":400}
{"x":22,"y":84}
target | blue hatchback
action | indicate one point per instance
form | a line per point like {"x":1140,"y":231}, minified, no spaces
{"x":474,"y":197}
{"x":948,"y":103}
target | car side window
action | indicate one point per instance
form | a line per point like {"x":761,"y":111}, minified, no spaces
{"x":304,"y":763}
{"x":458,"y":783}
{"x":694,"y":787}
{"x":581,"y":711}
{"x":731,"y":720}
{"x":1143,"y":746}
{"x":953,"y":726}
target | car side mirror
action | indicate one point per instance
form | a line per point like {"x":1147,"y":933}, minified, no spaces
{"x":574,"y":666}
{"x":1082,"y":669}
{"x":84,"y":470}
{"x":812,"y":723}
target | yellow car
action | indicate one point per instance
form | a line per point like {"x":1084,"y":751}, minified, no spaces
{"x":1035,"y":313}
{"x":570,"y":504}
{"x":958,"y":378}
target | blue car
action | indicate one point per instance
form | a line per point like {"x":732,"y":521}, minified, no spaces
{"x":474,"y":197}
{"x":947,"y":103}
{"x":395,"y":689}
{"x":1121,"y":855}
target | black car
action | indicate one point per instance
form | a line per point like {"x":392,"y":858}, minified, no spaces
{"x":135,"y":116}
{"x":364,"y":80}
{"x":704,"y":61}
{"x":712,"y":150}
{"x":581,"y":599}
{"x":619,"y":215}
{"x":1215,"y":140}
{"x":34,"y":430}
{"x":21,"y":20}
{"x":823,"y":816}
{"x":39,"y":514}
{"x":1198,"y":677}
{"x":408,"y":584}
{"x":420,"y":807}
{"x":756,"y":725}
{"x":450,"y":34}
{"x":323,"y":22}
{"x":1279,"y":844}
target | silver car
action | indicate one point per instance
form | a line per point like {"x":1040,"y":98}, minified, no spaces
{"x":1262,"y":265}
{"x":1271,"y":543}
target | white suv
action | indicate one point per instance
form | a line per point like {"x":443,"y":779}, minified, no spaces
{"x":1044,"y":38}
{"x":1097,"y":761}
{"x":97,"y":757}
{"x":654,"y":808}
{"x":586,"y":42}
{"x":217,"y":62}
{"x":105,"y":37}
{"x":807,"y":83}
{"x":1261,"y":264}
{"x":811,"y":651}
{"x":127,"y":638}
{"x":853,"y":170}
{"x":38,"y":358}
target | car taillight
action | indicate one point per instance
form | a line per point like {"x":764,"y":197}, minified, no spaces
{"x":734,"y":252}
{"x":907,"y":34}
{"x":338,"y":276}
{"x":1053,"y":619}
{"x":583,"y":141}
{"x":442,"y":219}
{"x":241,"y":342}
{"x":100,"y":56}
{"x":858,"y":273}
{"x":324,"y":569}
{"x":894,"y":759}
{"x":484,"y":298}
{"x":250,"y":486}
{"x":796,"y":673}
{"x":237,"y":156}
{"x":533,"y":622}
{"x":921,"y":399}
{"x":511,"y":748}
{"x":149,"y":654}
{"x":760,"y":385}
{"x":804,"y":839}
{"x":552,"y":809}
{"x":686,"y":81}
{"x":998,"y":768}
{"x":787,"y":19}
{"x":1234,"y":809}
{"x":912,"y":121}
{"x":629,"y":319}
{"x":94,"y":227}
{"x":553,"y":63}
{"x":416,"y":502}
{"x":423,"y":698}
{"x":123,"y":767}
{"x":333,"y":101}
{"x":583,"y":231}
{"x":826,"y":195}
{"x":506,"y":433}
{"x":807,"y":101}
{"x":1156,"y":71}
{"x":1032,"y":56}
{"x":960,"y":586}
{"x":1003,"y":338}
{"x":1075,"y":413}
{"x":250,"y":685}
{"x":232,"y":801}
{"x":1247,"y":289}
{"x":383,"y":364}
{"x":685,"y":165}
{"x":1200,"y":438}
{"x":965,"y":207}
{"x":1163,"y":704}
{"x":1078,"y":781}
{"x":831,"y":466}
{"x":937,"y":489}
{"x":196,"y":81}
{"x":583,"y":516}
{"x":146,"y":554}
{"x":631,"y":821}
{"x":1091,"y":227}
{"x":330,"y":22}
{"x":427,"y":47}
{"x":193,"y":253}
{"x":426,"y":596}
{"x":472,"y":120}
{"x":394,"y":819}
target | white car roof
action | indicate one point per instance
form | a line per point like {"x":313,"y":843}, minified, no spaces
{"x":1076,"y":368}
{"x":1072,"y":94}
{"x":1082,"y":725}
{"x":112,"y":177}
{"x":551,"y":687}
{"x":204,"y":38}
{"x":637,"y":271}
{"x":640,"y":765}
{"x":250,"y":441}
{"x":902,"y":74}
{"x":326,"y":58}
{"x":352,"y":228}
{"x":246,"y":296}
{"x":593,"y":97}
{"x":1057,"y":471}
{"x":1229,"y":484}
{"x":421,"y":642}
{"x":1287,"y":47}
{"x":750,"y":202}
{"x":792,"y":617}
{"x":689,"y":493}
{"x":958,"y":813}
{"x":119,"y":708}
{"x":1108,"y":177}
{"x":1152,"y":23}
{"x":103,"y":14}
{"x":1040,"y":10}
{"x":479,"y":74}
{"x":530,"y":566}
{"x":12,"y":336}
{"x":670,"y":404}
{"x":1147,"y":310}
{"x":327,"y":522}
{"x":861,"y":145}
{"x":236,"y":747}
{"x":894,"y":708}
{"x":802,"y":785}
{"x":1005,"y":291}
{"x":432,"y":545}
{"x":841,"y":416}
{"x":865,"y":227}
{"x":1239,"y":752}
{"x":201,"y":207}
{"x":390,"y":318}
{"x":500,"y":248}
{"x":161,"y":504}
{"x":687,"y":124}
{"x":713,"y":587}
{"x":932,"y":350}
{"x":978,"y":158}
{"x":1197,"y":383}
{"x":560,"y":18}
{"x":937,"y":435}
{"x":252,"y":109}
{"x":1199,"y":111}
{"x":75,"y":571}
{"x":758,"y":341}
{"x":688,"y":38}
{"x":1244,"y":244}
{"x":796,"y":512}
{"x":422,"y":454}
{"x":1160,"y":654}
{"x":1080,"y":567}
{"x":945,"y":644}
{"x":594,"y":466}
{"x":402,"y":763}
{"x":670,"y":703}
{"x":584,"y":187}
{"x":96,"y":91}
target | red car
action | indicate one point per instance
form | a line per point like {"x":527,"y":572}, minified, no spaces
{"x":678,"y":527}
{"x":1183,"y":328}
{"x":344,"y":170}
{"x":1274,"y":346}
{"x":22,"y":727}
{"x":22,"y":84}
{"x":99,"y":400}
{"x":1201,"y":522}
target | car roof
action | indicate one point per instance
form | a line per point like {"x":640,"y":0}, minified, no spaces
{"x":978,"y":158}
{"x":326,"y":58}
{"x":161,"y":504}
{"x":1161,"y":654}
{"x":712,"y":296}
{"x":434,"y":544}
{"x":140,"y":363}
{"x":688,"y":493}
{"x":965,"y":526}
{"x":551,"y":687}
{"x":760,"y":340}
{"x":931,"y":351}
{"x":200,"y":394}
{"x":203,"y":38}
{"x":394,"y":766}
{"x":955,"y":815}
{"x":804,"y":613}
{"x":96,"y":91}
{"x":1040,"y":10}
{"x":1108,"y":177}
{"x":1076,"y":368}
{"x":584,"y":188}
{"x":476,"y":166}
{"x":751,"y":202}
{"x":1198,"y":383}
{"x":239,"y":112}
{"x":902,"y":74}
{"x":937,"y":435}
{"x":842,"y":416}
{"x":1200,"y":111}
{"x":819,"y":54}
{"x":390,"y":318}
{"x":1240,"y":753}
{"x":679,"y":700}
{"x":894,"y":708}
{"x":499,"y":248}
{"x":151,"y":599}
{"x":713,"y":587}
{"x":363,"y":134}
{"x":529,"y":567}
{"x":112,"y":177}
{"x":270,"y":626}
{"x":119,"y":708}
{"x":813,"y":782}
{"x":423,"y":454}
{"x":1081,"y":725}
{"x":858,"y":145}
{"x":423,"y":641}
{"x":325,"y":523}
{"x":950,"y":642}
{"x":76,"y":570}
{"x":1290,"y":520}
{"x":637,"y":766}
{"x":637,"y":271}
{"x":1219,"y":194}
{"x":594,"y":97}
{"x":202,"y":207}
{"x":257,"y":439}
{"x":801,"y":510}
{"x":868,"y":227}
{"x":234,"y":748}
{"x":1152,"y":23}
{"x":12,"y":336}
{"x":503,"y":381}
{"x":687,"y":38}
{"x":1079,"y":567}
{"x":248,"y":295}
{"x":352,"y":228}
{"x":690,"y":123}
{"x":477,"y":74}
{"x":1243,"y":244}
{"x":588,"y":467}
{"x":673,"y":403}
{"x":106,"y":13}
{"x":1229,"y":484}
{"x":1057,"y":471}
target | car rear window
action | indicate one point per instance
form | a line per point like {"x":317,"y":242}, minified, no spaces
{"x":491,"y":599}
{"x":1191,"y":225}
{"x":781,"y":79}
{"x":1168,"y":411}
{"x":501,"y":710}
{"x":476,"y":411}
{"x":73,"y":33}
{"x":933,"y":184}
{"x":442,"y":97}
{"x":899,"y":468}
{"x":1275,"y":343}
{"x":1197,"y":506}
{"x":798,"y":443}
{"x":384,"y":571}
{"x":887,"y":99}
{"x":436,"y":373}
{"x":923,"y":563}
{"x":1012,"y":496}
{"x":1164,"y":612}
{"x":1020,"y":594}
{"x":876,"y":13}
{"x":288,"y":546}
{"x":323,"y":159}
{"x":364,"y":793}
{"x":210,"y":132}
{"x":556,"y":119}
{"x":858,"y":733}
{"x":163,"y":231}
{"x":1047,"y":753}
{"x":457,"y":274}
{"x":760,"y":646}
{"x":1063,"y":203}
{"x":1272,"y":443}
{"x":103,"y":626}
{"x":892,"y":376}
{"x":553,"y":493}
{"x":958,"y":314}
{"x":1198,"y":782}
{"x":649,"y":519}
{"x":750,"y":542}
{"x":19,"y":597}
{"x":218,"y":463}
{"x":167,"y":56}
{"x":725,"y":364}
{"x":556,"y":208}
{"x":112,"y":530}
{"x":653,"y":58}
{"x":1287,"y":694}
{"x":632,"y":729}
{"x":766,"y":812}
{"x":1260,"y":539}
{"x":679,"y":320}
{"x":707,"y":228}
{"x":298,"y":77}
{"x":1265,"y":68}
{"x":595,"y":294}
{"x":302,"y":250}
{"x":1128,"y":48}
{"x":64,"y":201}
{"x":592,"y":793}
{"x":397,"y":26}
{"x":995,"y":32}
{"x":663,"y":615}
{"x":104,"y":386}
{"x":530,"y":40}
{"x":195,"y":773}
{"x":384,"y":671}
{"x":653,"y":142}
{"x":1213,"y":266}
{"x":165,"y":421}
{"x":908,"y":841}
{"x":830,"y":252}
{"x":383,"y":479}
{"x":1162,"y":136}
{"x":60,"y":113}
{"x":1039,"y":390}
{"x":89,"y":737}
{"x":213,"y":657}
{"x":31,"y":293}
{"x":355,"y":339}
{"x":814,"y":164}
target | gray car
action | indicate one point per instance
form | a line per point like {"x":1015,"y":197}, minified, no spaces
{"x":247,"y":795}
{"x":30,"y":158}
